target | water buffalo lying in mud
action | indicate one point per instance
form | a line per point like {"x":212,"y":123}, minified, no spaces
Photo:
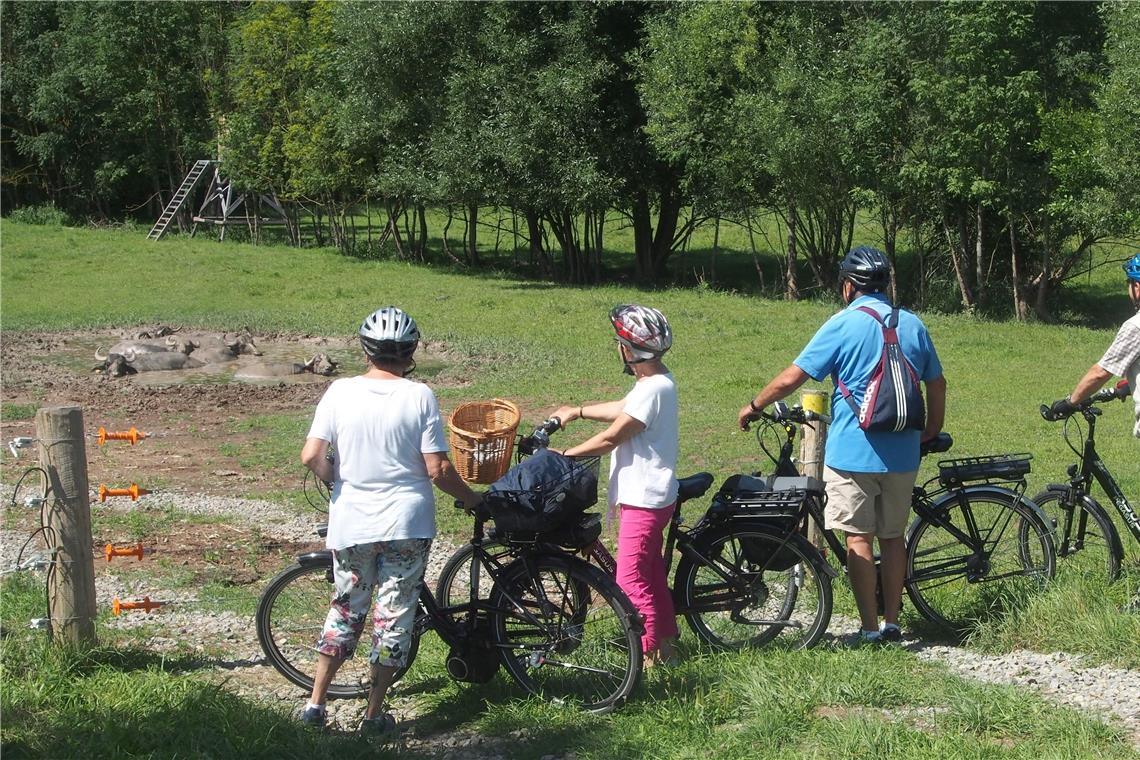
{"x":130,"y":362}
{"x":320,"y":364}
{"x":142,"y":347}
{"x":213,"y":349}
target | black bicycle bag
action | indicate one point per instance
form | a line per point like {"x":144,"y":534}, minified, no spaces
{"x":543,"y":493}
{"x":775,"y":502}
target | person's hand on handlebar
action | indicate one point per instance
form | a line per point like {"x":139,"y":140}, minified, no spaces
{"x":747,"y":415}
{"x":469,"y":506}
{"x":1062,"y":408}
{"x":566,"y":414}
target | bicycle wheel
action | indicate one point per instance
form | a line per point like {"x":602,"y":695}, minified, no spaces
{"x":566,"y":632}
{"x":958,"y":586}
{"x":1089,"y":544}
{"x":290,"y":616}
{"x":755,"y":588}
{"x":454,"y":585}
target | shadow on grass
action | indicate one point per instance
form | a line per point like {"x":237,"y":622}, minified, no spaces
{"x":159,"y":717}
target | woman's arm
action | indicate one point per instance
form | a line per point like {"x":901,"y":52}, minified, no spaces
{"x":314,"y":455}
{"x":442,"y":473}
{"x":621,"y":430}
{"x":602,"y":411}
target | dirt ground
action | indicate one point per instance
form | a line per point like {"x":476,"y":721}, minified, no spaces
{"x":192,"y":414}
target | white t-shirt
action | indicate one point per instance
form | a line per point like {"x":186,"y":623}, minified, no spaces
{"x":381,"y":429}
{"x":643,"y":469}
{"x":1123,"y":360}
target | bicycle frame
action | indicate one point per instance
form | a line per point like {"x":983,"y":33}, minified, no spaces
{"x":1080,"y":484}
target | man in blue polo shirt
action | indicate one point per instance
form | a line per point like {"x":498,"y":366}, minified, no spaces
{"x":869,"y":475}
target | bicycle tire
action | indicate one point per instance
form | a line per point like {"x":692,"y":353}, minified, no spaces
{"x":452,"y":589}
{"x":959,"y":588}
{"x":290,"y":616}
{"x":1094,"y":551}
{"x":790,"y":607}
{"x":566,"y":632}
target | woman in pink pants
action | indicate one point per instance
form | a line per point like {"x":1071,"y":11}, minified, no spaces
{"x":643,"y":436}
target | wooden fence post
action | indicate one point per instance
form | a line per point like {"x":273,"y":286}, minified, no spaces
{"x":812,"y":443}
{"x":71,"y":576}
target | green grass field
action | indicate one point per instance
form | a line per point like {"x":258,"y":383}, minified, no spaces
{"x":542,"y":344}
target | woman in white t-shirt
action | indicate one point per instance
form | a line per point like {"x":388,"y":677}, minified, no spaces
{"x":643,"y":436}
{"x":389,"y":449}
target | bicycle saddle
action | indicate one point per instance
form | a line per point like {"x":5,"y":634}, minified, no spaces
{"x":693,"y":486}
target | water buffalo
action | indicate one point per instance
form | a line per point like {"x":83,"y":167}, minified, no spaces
{"x":141,"y":347}
{"x":161,"y":331}
{"x":129,"y":362}
{"x":320,"y":364}
{"x":213,"y":349}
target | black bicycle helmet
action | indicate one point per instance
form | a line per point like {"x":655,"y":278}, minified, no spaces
{"x":389,"y":334}
{"x":867,"y":268}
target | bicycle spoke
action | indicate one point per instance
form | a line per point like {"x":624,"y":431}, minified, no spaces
{"x":958,"y":585}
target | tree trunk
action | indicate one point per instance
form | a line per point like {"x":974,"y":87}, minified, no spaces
{"x":1020,"y":303}
{"x":979,"y":257}
{"x":472,"y":234}
{"x":791,"y":288}
{"x":955,"y":259}
{"x":715,"y":251}
{"x":755,"y":256}
{"x":667,"y":217}
{"x":642,"y":237}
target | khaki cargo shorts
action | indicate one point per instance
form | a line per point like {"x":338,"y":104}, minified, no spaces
{"x":868,"y":502}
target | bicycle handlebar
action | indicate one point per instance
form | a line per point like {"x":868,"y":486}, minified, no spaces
{"x":540,"y":438}
{"x":781,"y":412}
{"x":1057,"y":411}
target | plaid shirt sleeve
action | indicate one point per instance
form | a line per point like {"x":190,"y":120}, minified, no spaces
{"x":1124,"y":351}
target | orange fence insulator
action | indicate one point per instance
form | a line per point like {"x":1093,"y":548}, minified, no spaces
{"x":134,"y":435}
{"x":118,"y":606}
{"x":110,"y":550}
{"x":134,"y":492}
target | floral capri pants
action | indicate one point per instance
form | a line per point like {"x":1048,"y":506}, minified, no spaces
{"x":393,"y":572}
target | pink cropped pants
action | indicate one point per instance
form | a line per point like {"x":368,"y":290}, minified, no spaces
{"x":641,"y":571}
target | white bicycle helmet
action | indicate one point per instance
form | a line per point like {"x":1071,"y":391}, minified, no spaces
{"x":389,"y":334}
{"x":643,"y":330}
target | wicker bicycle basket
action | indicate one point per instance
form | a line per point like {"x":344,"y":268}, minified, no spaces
{"x":483,"y":439}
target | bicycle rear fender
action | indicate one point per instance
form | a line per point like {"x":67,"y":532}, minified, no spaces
{"x":323,"y":557}
{"x":951,"y":497}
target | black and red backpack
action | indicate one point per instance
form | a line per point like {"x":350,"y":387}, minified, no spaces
{"x":893,"y":399}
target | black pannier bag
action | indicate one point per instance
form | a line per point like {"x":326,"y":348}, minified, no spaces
{"x":774,"y":501}
{"x":542,"y":493}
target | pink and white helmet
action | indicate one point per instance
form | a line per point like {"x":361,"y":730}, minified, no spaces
{"x":643,"y":330}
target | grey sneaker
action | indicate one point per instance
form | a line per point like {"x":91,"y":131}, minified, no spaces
{"x":312,"y":716}
{"x":382,"y":725}
{"x":890,"y":633}
{"x":870,"y":637}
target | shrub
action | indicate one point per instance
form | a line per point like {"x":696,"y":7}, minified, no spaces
{"x":45,"y":215}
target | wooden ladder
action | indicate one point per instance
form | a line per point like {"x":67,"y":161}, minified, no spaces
{"x":179,"y":198}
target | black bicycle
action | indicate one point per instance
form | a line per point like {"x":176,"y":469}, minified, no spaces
{"x":741,"y":580}
{"x":561,"y":627}
{"x":975,"y":545}
{"x":1087,"y":537}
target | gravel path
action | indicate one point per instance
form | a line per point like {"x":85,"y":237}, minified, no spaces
{"x":1109,"y":694}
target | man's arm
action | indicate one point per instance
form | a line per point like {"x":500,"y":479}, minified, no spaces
{"x":783,"y":385}
{"x":1090,"y":383}
{"x":314,"y":455}
{"x":935,"y":407}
